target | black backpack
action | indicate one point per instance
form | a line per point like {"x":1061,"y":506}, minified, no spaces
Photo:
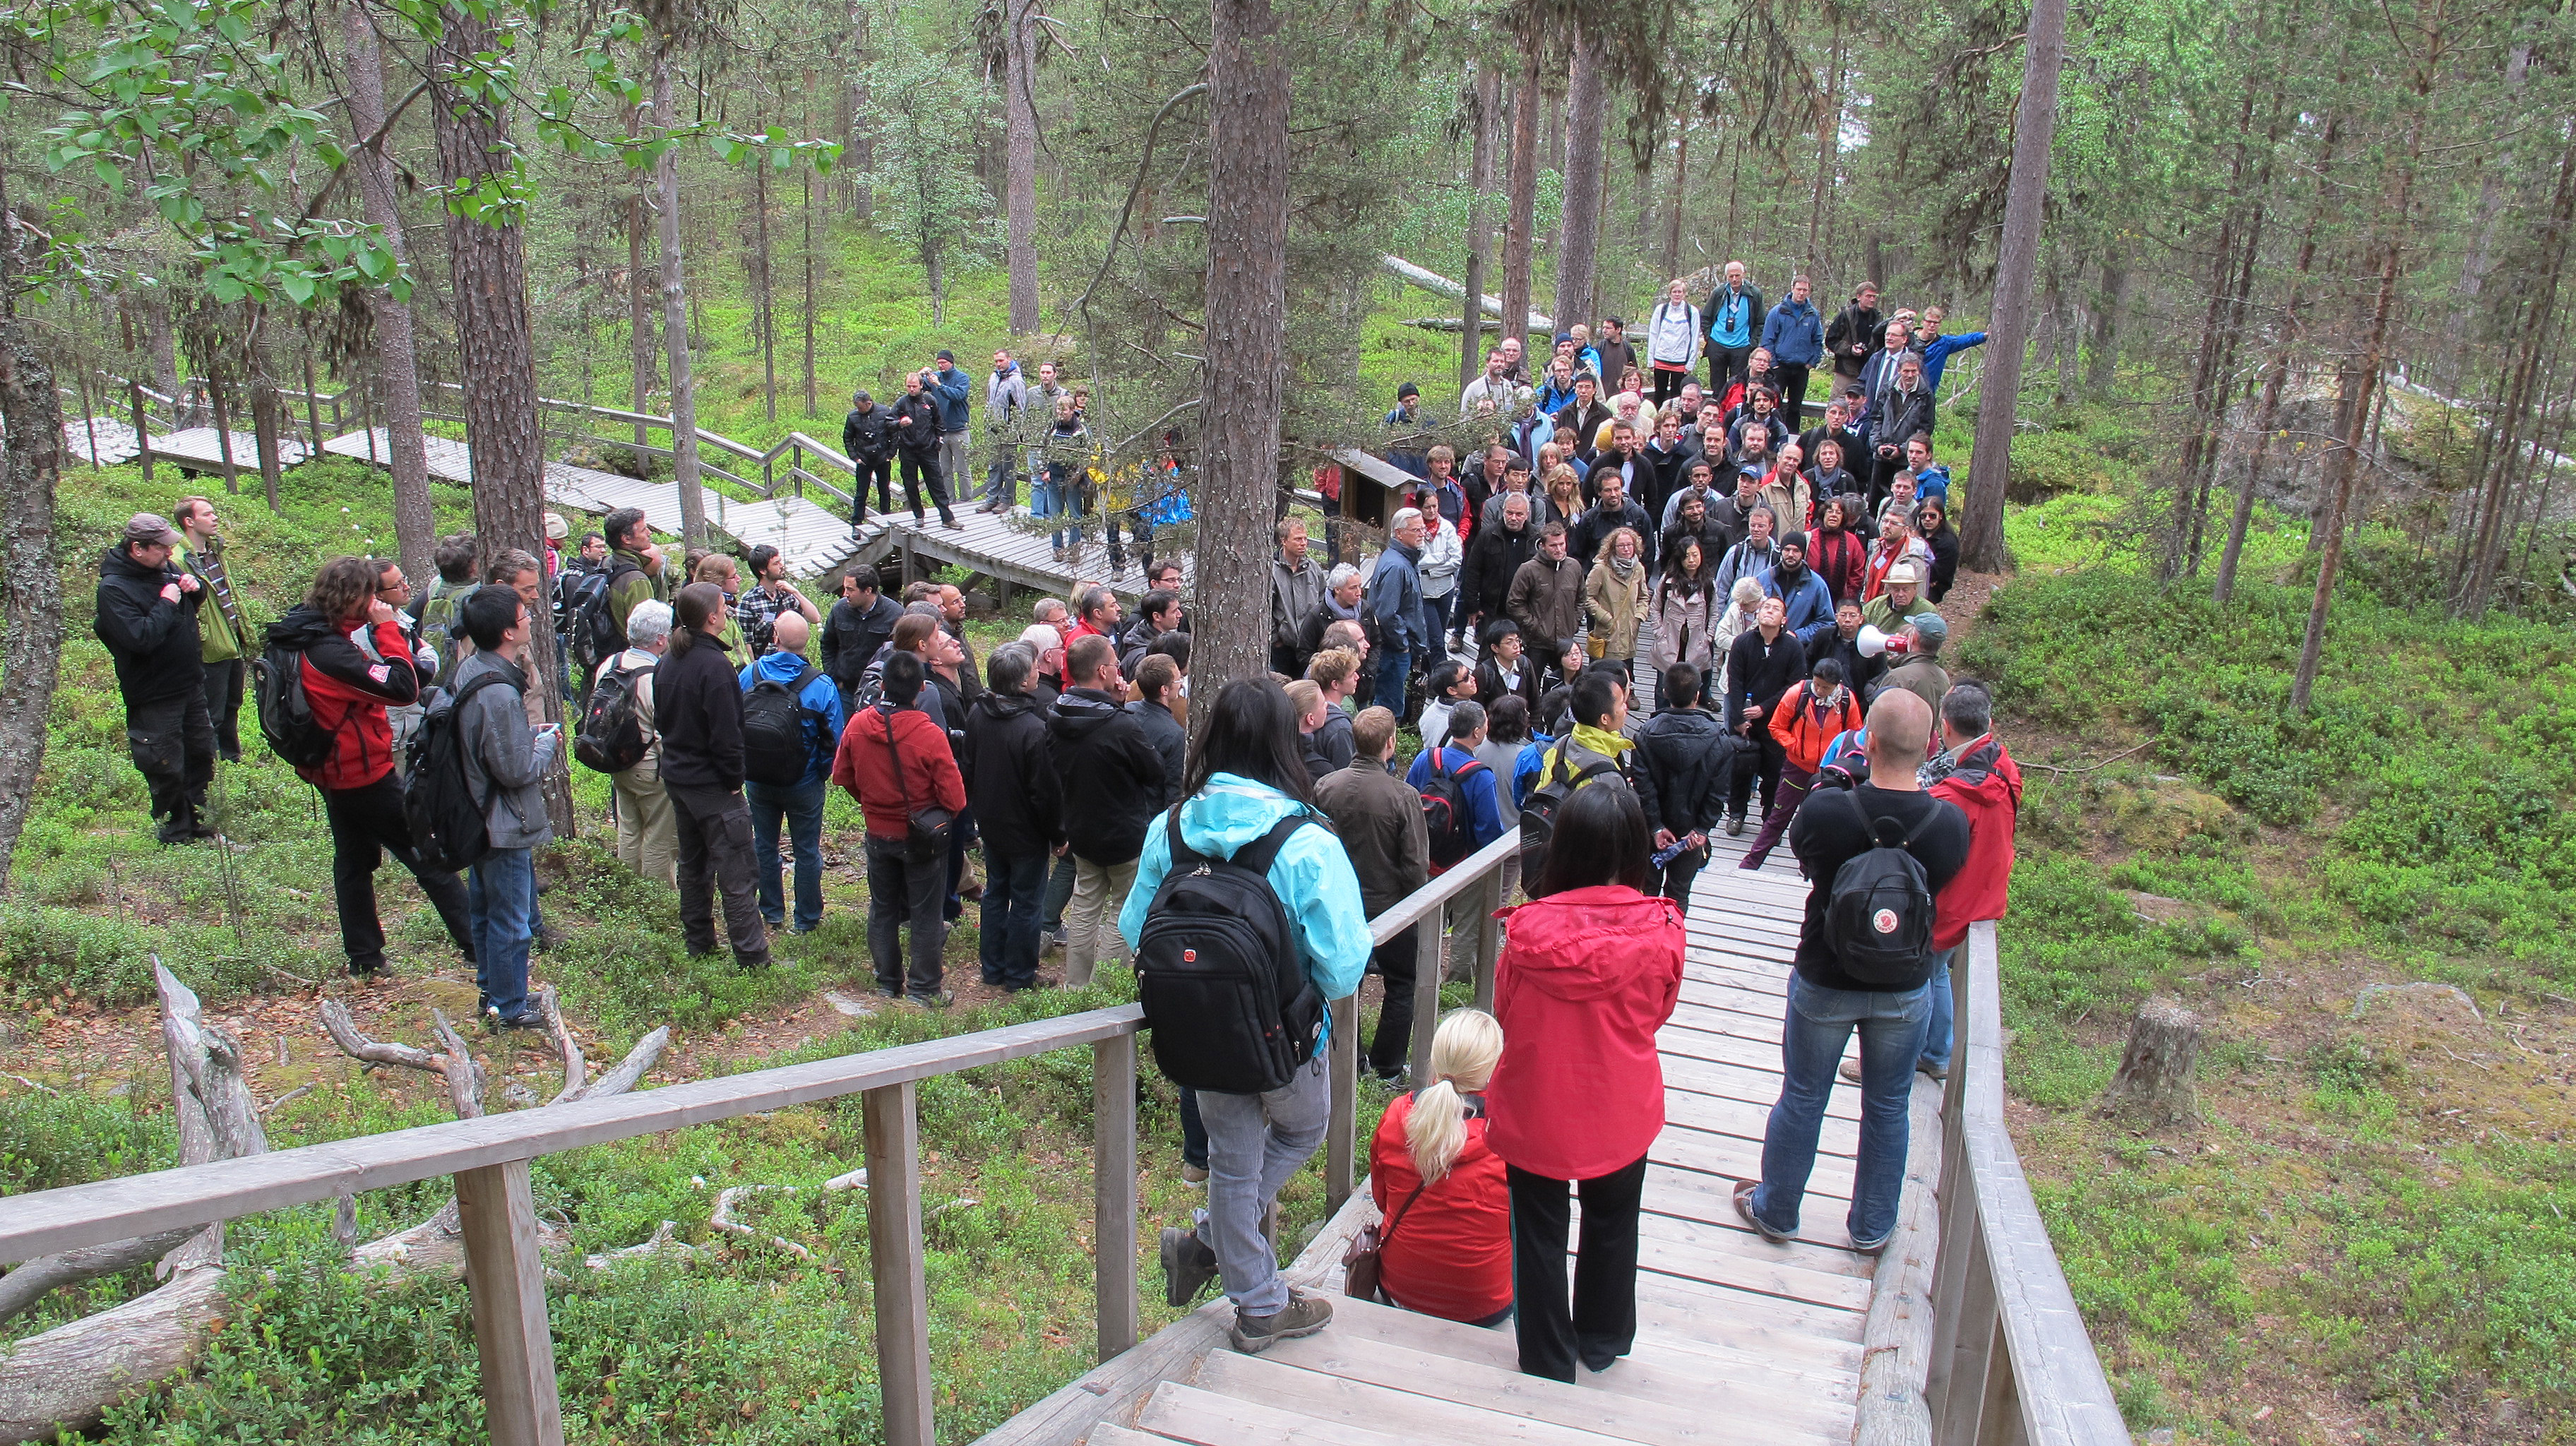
{"x":774,"y":750}
{"x":1538,"y":812}
{"x":612,"y":738}
{"x":1445,"y":813}
{"x":285,"y":713}
{"x":448,"y":824}
{"x":1878,"y":918}
{"x":1219,"y":974}
{"x":595,"y":633}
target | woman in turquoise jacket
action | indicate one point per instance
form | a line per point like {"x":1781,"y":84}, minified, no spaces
{"x":1244,"y":778}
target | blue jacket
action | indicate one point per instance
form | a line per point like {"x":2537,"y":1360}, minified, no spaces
{"x":1394,"y":599}
{"x":824,"y":717}
{"x":1932,"y":484}
{"x":950,"y":396}
{"x":1730,"y":324}
{"x":1484,"y":804}
{"x":1938,"y":353}
{"x":1794,"y":334}
{"x":1312,"y":876}
{"x":1809,"y":603}
{"x":1526,"y":768}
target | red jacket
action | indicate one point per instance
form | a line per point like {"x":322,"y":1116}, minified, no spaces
{"x":1806,"y":729}
{"x":1987,"y":788}
{"x":866,"y":768}
{"x":1451,"y":1254}
{"x":1840,"y":558}
{"x":1587,"y":977}
{"x":349,"y":687}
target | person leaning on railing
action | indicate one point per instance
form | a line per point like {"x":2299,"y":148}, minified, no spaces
{"x":1444,"y":1207}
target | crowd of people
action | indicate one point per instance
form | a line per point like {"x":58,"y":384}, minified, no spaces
{"x":1775,"y":587}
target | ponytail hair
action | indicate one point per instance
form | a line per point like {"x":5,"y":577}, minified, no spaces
{"x":698,"y":602}
{"x":1464,"y":1051}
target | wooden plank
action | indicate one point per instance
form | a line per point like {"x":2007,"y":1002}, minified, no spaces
{"x":1186,"y":1413}
{"x":1653,"y":1371}
{"x":1341,"y":1147}
{"x":1672,"y":1039}
{"x":1747,"y":1120}
{"x":1743,"y":1261}
{"x":895,"y":1265}
{"x":1736,"y":1159}
{"x":1642,"y":1416}
{"x":1710,"y":1200}
{"x":1708,"y":1019}
{"x":1105,"y":1434}
{"x":1407,"y":1414}
{"x":1763,"y":1013}
{"x":1687,"y":1315}
{"x":1113,"y":1175}
{"x":514,"y":1350}
{"x":1112,"y":1387}
{"x":1749,"y":1084}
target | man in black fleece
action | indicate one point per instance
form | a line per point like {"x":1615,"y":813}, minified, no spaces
{"x":1764,"y":662}
{"x":697,"y":708}
{"x":1113,"y":783}
{"x":1011,"y":789}
{"x":856,"y":629}
{"x":1686,"y":762}
{"x":147,"y":616}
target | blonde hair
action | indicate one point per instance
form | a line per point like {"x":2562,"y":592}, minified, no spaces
{"x":1464,"y":1051}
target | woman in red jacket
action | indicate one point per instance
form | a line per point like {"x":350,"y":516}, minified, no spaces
{"x":1589,"y":973}
{"x":1447,"y":1240}
{"x":1809,"y":718}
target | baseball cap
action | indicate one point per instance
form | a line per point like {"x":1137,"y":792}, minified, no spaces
{"x":556,"y":528}
{"x":151,"y":527}
{"x":1930,"y":627}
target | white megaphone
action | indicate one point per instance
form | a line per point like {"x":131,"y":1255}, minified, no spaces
{"x":1871,"y":641}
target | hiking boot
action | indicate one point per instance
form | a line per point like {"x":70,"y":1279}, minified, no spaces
{"x":1936,"y":1071}
{"x":936,"y":999}
{"x":1303,"y":1315}
{"x":1194,"y":1176}
{"x":1850,"y":1070}
{"x":1188,"y":1266}
{"x":1870,"y":1247}
{"x":1735,"y":824}
{"x":1744,"y":1207}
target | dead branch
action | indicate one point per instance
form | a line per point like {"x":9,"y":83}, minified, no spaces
{"x":723,"y":1219}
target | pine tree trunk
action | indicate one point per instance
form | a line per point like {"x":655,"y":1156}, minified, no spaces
{"x":397,"y":363}
{"x":161,"y":346}
{"x":1522,"y":202}
{"x":675,"y":318}
{"x":768,"y":294}
{"x":1480,"y":239}
{"x":267,"y":421}
{"x":495,"y":347}
{"x":1673,"y":213}
{"x":1246,"y":319}
{"x":1020,"y":163}
{"x":1580,"y":236}
{"x":2507,"y":431}
{"x":860,"y":153}
{"x":2276,"y":376}
{"x":2106,"y":328}
{"x":809,"y":293}
{"x":31,"y":591}
{"x":1981,"y":542}
{"x":1829,"y":154}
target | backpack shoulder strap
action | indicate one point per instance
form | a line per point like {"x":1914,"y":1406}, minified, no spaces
{"x":1262,"y":852}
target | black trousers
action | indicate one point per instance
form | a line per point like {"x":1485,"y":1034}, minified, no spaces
{"x":1601,"y":1324}
{"x":1727,"y":364}
{"x":366,"y":824}
{"x":223,"y":706}
{"x":1762,"y":765}
{"x":1393,"y":1042}
{"x":917,"y":469}
{"x":1673,"y":880}
{"x":173,"y":744}
{"x":1793,"y":393}
{"x":879,"y":470}
{"x":713,"y":828}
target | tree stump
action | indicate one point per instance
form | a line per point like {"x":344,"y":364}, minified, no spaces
{"x":2155,"y":1074}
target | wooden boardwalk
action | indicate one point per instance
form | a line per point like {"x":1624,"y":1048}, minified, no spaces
{"x":200,"y":449}
{"x":1010,"y":548}
{"x":1738,"y":1340}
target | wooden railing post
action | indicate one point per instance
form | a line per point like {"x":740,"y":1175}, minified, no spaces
{"x":1343,"y":1065}
{"x":1427,"y":971}
{"x":1113,"y":1173}
{"x":498,"y":1219}
{"x":895,"y":1265}
{"x":1489,"y":939}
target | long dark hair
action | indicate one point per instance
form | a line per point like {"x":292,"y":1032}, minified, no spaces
{"x":1600,"y":838}
{"x":1251,"y":732}
{"x":698,"y":602}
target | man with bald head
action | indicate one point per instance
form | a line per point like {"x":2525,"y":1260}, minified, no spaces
{"x":1835,"y":990}
{"x":800,"y":803}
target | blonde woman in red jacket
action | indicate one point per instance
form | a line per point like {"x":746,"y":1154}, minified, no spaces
{"x":1439,"y":1186}
{"x":1591,"y":970}
{"x":1810,"y":717}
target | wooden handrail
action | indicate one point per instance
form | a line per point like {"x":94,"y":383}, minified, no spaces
{"x":2011,"y":1360}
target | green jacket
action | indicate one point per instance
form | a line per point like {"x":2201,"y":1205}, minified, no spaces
{"x":219,"y":628}
{"x":644,"y":585}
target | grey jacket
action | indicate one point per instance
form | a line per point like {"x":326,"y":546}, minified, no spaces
{"x":504,"y":758}
{"x":1295,"y":593}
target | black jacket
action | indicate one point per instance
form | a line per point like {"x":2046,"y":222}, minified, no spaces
{"x":921,"y":439}
{"x":1945,"y":562}
{"x":697,"y":708}
{"x":1899,"y":415}
{"x":1576,"y":426}
{"x":1854,"y":326}
{"x":1584,"y":546}
{"x":1827,"y":641}
{"x":153,"y":641}
{"x":869,"y":436}
{"x":1332,"y":745}
{"x":1170,"y":740}
{"x":851,"y":638}
{"x":1110,"y":774}
{"x":1685,"y":759}
{"x":1757,"y":672}
{"x":1490,"y":688}
{"x":1010,"y":780}
{"x":1493,"y":555}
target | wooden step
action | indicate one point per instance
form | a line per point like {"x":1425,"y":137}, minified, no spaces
{"x":1710,"y":1199}
{"x":1408,"y":1414}
{"x":1186,"y":1413}
{"x":1746,"y":1120}
{"x":1682,"y":1312}
{"x":1742,"y":1160}
{"x":1651,"y":1371}
{"x":1752,"y":1084}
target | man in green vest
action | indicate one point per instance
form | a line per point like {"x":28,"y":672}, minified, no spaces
{"x":220,"y":626}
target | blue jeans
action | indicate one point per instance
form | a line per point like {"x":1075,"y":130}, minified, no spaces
{"x":1056,"y":497}
{"x":500,"y":899}
{"x":998,"y":483}
{"x":1008,"y":947}
{"x":1818,"y":1024}
{"x":1936,"y":1032}
{"x":1392,"y":667}
{"x":802,"y":805}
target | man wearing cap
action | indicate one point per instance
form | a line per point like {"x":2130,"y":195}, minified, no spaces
{"x":1900,"y":600}
{"x":220,"y":627}
{"x":1919,"y":672}
{"x":147,"y":615}
{"x":1406,"y":427}
{"x":947,"y":385}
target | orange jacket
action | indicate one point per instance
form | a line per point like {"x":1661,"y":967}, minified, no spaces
{"x":1805,"y":728}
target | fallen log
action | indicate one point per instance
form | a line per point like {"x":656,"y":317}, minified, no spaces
{"x":1439,"y":285}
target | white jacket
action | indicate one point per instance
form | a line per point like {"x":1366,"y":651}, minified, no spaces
{"x":1673,"y":336}
{"x":1441,"y":557}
